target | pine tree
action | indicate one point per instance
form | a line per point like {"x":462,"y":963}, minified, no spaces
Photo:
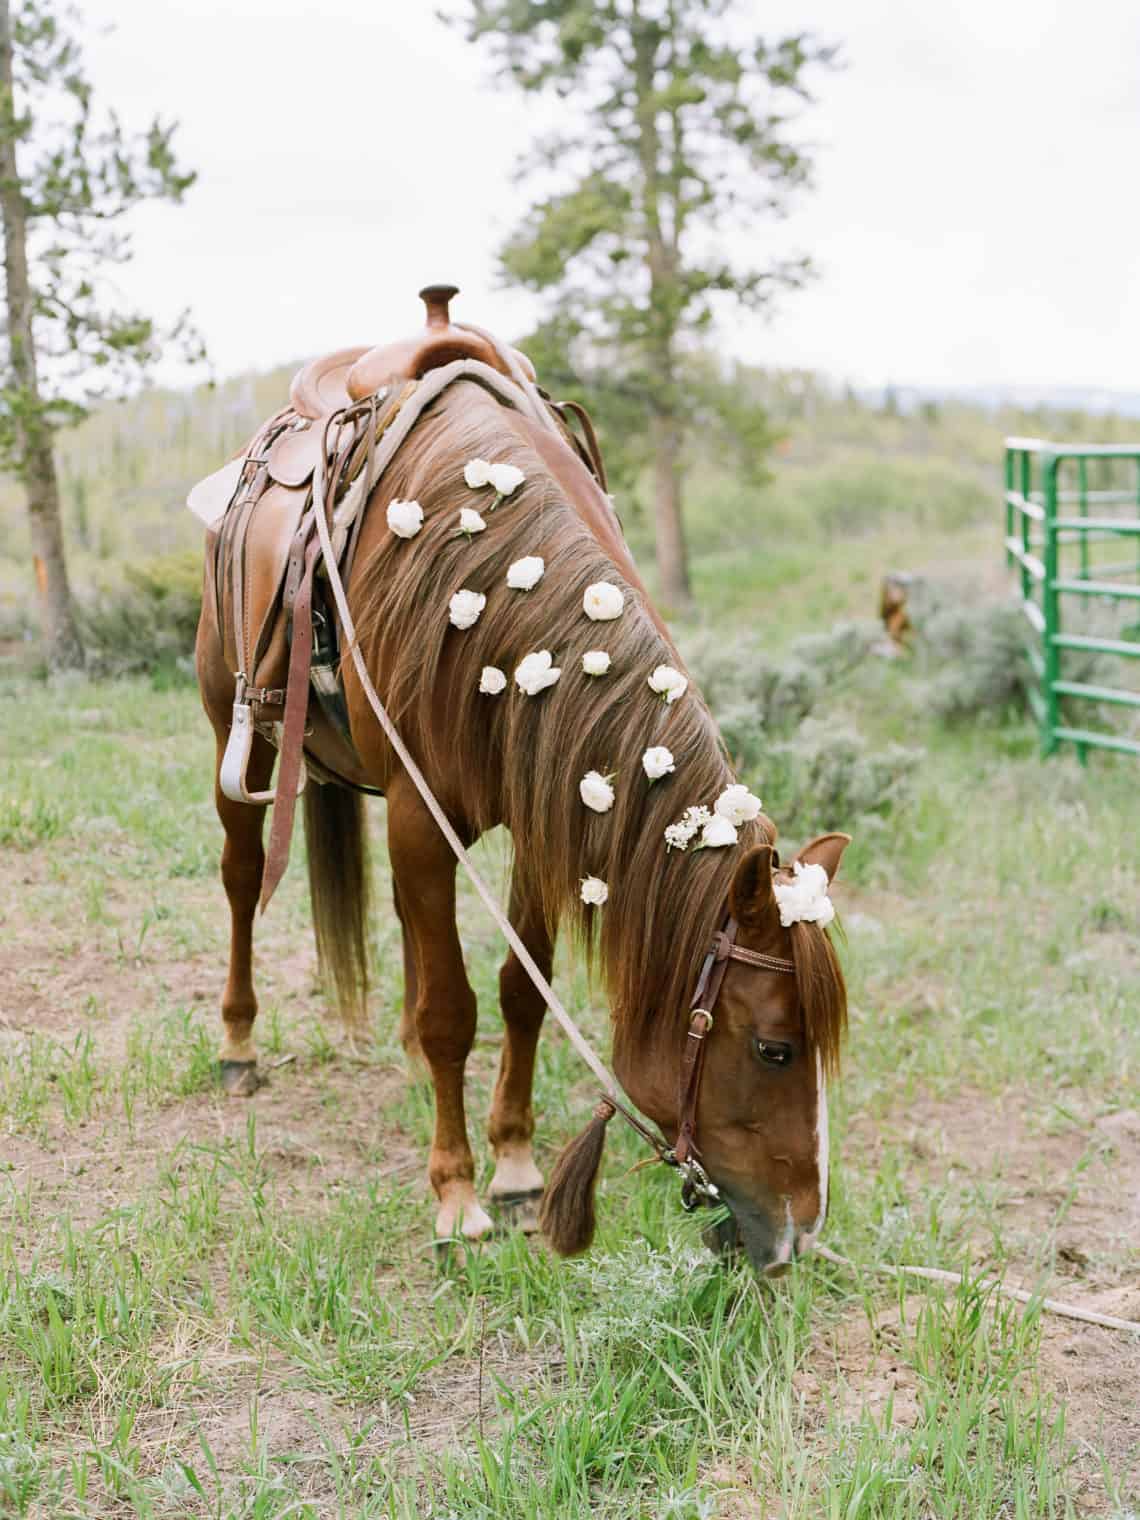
{"x":67,"y":179}
{"x":676,"y":130}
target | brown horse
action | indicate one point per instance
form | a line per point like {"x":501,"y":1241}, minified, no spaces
{"x":515,"y":759}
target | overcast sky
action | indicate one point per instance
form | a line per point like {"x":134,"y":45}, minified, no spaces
{"x":975,"y":218}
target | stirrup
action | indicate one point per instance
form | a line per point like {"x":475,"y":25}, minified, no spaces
{"x":231,"y":774}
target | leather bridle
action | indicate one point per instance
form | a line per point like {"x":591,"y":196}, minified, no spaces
{"x":696,"y":1185}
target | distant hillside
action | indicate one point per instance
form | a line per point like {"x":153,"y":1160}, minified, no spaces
{"x":845,"y":463}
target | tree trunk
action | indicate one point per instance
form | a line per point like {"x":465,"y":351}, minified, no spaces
{"x":35,"y":461}
{"x":665,"y":425}
{"x":672,"y":555}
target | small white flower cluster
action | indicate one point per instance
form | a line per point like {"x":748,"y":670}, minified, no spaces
{"x":465,"y":608}
{"x":524,"y":574}
{"x":657,"y":761}
{"x":505,"y":478}
{"x":405,"y":518}
{"x":595,"y":662}
{"x":594,"y":891}
{"x":602,"y":602}
{"x":680,"y":835}
{"x":734,"y":806}
{"x":804,"y":900}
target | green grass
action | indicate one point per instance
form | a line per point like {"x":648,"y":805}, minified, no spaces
{"x":209,"y":1309}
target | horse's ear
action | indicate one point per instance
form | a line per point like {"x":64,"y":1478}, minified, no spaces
{"x":750,"y":897}
{"x":826,"y":851}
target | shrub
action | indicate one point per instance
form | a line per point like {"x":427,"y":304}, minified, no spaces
{"x":830,"y":778}
{"x":145,"y":623}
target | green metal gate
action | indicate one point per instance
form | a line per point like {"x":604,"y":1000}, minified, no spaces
{"x":1072,"y":529}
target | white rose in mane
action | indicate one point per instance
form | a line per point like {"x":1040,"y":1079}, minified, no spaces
{"x":657,"y":762}
{"x":492,"y":680}
{"x":477,"y":473}
{"x":506,"y":478}
{"x":804,"y":900}
{"x":594,"y":891}
{"x":536,"y":672}
{"x":717,"y":833}
{"x":668,"y":683}
{"x":405,"y":518}
{"x":603,"y":602}
{"x":737,"y":804}
{"x":470,"y":521}
{"x":526,"y":573}
{"x":596,"y":792}
{"x":464,"y":608}
{"x":595,"y":662}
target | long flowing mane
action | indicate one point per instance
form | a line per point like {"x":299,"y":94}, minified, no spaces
{"x":519,"y":759}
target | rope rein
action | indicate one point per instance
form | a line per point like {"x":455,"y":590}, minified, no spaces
{"x":955,"y":1279}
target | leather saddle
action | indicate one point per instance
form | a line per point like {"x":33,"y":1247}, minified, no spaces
{"x":278,"y":634}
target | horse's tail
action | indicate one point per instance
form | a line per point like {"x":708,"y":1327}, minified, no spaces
{"x":340,"y":887}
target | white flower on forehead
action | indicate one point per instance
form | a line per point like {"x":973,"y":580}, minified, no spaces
{"x":596,"y":792}
{"x":804,"y":900}
{"x":717,"y":833}
{"x":506,"y":478}
{"x":477,"y":473}
{"x":405,"y":518}
{"x":526,"y":573}
{"x":594,"y":891}
{"x":492,"y":680}
{"x":536,"y":672}
{"x":603,"y":602}
{"x":657,"y":762}
{"x":737,"y":804}
{"x":679,"y":835}
{"x":464,"y":608}
{"x":470,"y":521}
{"x":595,"y":662}
{"x":668,"y":683}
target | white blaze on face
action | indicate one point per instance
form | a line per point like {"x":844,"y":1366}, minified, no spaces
{"x":822,"y":1141}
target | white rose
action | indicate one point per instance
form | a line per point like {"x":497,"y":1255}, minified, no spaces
{"x":405,"y":518}
{"x":717,"y":832}
{"x":737,"y":804}
{"x":536,"y":672}
{"x":492,"y":680}
{"x":602,"y":602}
{"x":595,"y":662}
{"x":470,"y":521}
{"x":464,"y":608}
{"x":477,"y":473}
{"x":526,"y":573}
{"x":596,"y":792}
{"x":594,"y":891}
{"x":668,"y":683}
{"x":506,"y":478}
{"x":804,"y":900}
{"x":657,"y":762}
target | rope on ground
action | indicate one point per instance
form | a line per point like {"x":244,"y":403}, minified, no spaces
{"x":936,"y":1274}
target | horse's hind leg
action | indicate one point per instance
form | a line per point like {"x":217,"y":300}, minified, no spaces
{"x":409,"y":1039}
{"x":424,"y":870}
{"x":517,"y":1183}
{"x":243,"y":861}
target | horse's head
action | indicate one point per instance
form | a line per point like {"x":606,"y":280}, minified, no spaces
{"x":761,"y":1121}
{"x":761,"y":1108}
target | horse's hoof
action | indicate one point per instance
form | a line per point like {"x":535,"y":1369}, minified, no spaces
{"x":239,"y":1079}
{"x":518,"y":1211}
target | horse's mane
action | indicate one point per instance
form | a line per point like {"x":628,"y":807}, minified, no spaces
{"x":517,"y":760}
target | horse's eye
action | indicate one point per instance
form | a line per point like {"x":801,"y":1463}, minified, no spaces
{"x":772,"y":1052}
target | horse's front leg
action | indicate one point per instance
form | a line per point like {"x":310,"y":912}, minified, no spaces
{"x":444,"y":1011}
{"x":517,"y":1183}
{"x":243,"y":862}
